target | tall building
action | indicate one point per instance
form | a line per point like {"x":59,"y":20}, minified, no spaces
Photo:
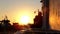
{"x":45,"y":10}
{"x":38,"y":20}
{"x":51,"y":14}
{"x":54,"y":14}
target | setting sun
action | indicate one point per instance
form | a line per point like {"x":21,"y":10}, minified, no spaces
{"x":24,"y":20}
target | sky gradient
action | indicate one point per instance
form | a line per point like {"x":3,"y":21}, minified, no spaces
{"x":14,"y":9}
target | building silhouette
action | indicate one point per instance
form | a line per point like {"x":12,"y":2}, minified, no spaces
{"x":45,"y":10}
{"x":43,"y":21}
{"x":37,"y":20}
{"x":51,"y":14}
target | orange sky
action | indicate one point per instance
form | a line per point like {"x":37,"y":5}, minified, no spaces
{"x":14,"y":9}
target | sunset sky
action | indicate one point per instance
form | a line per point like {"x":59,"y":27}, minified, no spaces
{"x":23,"y":11}
{"x":15,"y":9}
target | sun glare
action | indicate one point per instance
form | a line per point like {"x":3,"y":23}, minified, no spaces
{"x":24,"y":20}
